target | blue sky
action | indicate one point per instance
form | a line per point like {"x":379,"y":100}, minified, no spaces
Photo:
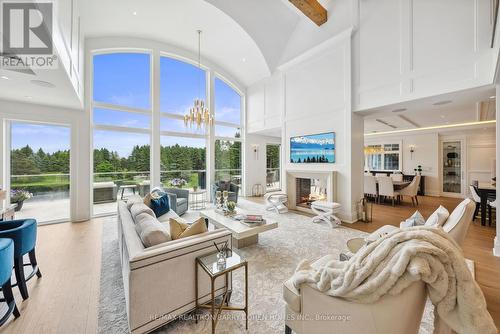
{"x":124,"y":79}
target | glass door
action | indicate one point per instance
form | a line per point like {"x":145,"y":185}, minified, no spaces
{"x":273,"y":179}
{"x":40,"y":171}
{"x":452,"y":167}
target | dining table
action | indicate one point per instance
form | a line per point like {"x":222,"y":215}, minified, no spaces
{"x":398,"y":185}
{"x":485,"y":191}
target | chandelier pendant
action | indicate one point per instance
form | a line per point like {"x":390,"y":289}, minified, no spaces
{"x":199,"y":115}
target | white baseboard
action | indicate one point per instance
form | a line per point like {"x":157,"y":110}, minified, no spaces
{"x":496,"y":247}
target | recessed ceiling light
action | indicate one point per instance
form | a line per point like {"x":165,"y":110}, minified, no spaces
{"x":28,"y":97}
{"x":134,"y":13}
{"x":42,"y":83}
{"x":492,"y":97}
{"x":399,"y":110}
{"x":5,"y":77}
{"x":243,"y":59}
{"x":442,"y":116}
{"x":440,"y":103}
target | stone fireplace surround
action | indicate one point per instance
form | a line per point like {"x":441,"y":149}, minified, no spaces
{"x":327,"y":180}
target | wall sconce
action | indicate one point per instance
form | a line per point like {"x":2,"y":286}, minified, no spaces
{"x":255,"y":149}
{"x":412,"y":150}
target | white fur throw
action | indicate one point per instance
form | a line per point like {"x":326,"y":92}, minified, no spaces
{"x":393,"y":262}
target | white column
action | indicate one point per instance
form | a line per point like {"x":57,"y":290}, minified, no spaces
{"x":210,"y":158}
{"x":155,"y":160}
{"x":496,"y":246}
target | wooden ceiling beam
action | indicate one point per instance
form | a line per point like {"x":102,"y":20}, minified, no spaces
{"x":312,"y":9}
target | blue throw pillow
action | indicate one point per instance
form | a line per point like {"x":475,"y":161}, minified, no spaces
{"x":160,"y":206}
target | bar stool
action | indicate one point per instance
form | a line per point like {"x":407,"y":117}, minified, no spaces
{"x":6,"y":263}
{"x":23,"y":233}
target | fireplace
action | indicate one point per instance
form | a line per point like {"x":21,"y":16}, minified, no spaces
{"x":304,"y":187}
{"x":308,"y":190}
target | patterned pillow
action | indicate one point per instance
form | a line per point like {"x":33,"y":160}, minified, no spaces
{"x":415,"y":220}
{"x":438,"y":218}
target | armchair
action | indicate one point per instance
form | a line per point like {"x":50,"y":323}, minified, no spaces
{"x":178,"y":200}
{"x":232,"y":189}
{"x":311,"y":311}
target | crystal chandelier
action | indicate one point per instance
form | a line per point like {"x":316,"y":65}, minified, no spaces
{"x":199,"y":114}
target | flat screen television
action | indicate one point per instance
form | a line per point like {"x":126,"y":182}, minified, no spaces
{"x":318,"y":148}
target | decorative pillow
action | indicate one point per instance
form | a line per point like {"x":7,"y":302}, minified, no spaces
{"x":438,"y":218}
{"x":415,"y":220}
{"x":152,"y":233}
{"x":140,"y":207}
{"x":149,"y":196}
{"x":180,"y":230}
{"x":160,"y":206}
{"x":456,"y":215}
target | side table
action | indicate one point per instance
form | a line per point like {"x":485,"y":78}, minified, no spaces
{"x":198,"y":199}
{"x":209,"y":264}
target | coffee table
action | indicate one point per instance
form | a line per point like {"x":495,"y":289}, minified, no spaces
{"x":243,"y":235}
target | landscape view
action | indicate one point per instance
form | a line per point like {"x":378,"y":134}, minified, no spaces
{"x":319,"y":148}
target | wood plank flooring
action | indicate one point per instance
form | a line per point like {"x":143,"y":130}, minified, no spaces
{"x":65,"y":299}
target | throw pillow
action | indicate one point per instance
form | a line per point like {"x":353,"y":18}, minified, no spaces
{"x":140,"y":207}
{"x":153,"y":233}
{"x":149,"y":196}
{"x":160,"y":206}
{"x":180,"y":230}
{"x":457,"y":215}
{"x":438,"y":218}
{"x":415,"y":220}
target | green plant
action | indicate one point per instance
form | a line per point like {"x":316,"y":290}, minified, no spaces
{"x":231,"y":206}
{"x":19,"y":195}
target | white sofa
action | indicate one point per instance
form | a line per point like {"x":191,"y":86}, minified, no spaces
{"x":159,"y":281}
{"x":312,"y":311}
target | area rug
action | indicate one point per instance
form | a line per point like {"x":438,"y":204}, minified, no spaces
{"x":271,"y":262}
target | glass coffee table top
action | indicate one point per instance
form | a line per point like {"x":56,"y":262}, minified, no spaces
{"x":209,"y":262}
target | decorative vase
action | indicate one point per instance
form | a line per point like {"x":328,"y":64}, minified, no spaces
{"x":19,"y":206}
{"x":221,"y":260}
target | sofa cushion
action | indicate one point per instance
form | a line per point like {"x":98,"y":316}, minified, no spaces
{"x":152,"y":232}
{"x":415,"y":220}
{"x":138,"y":208}
{"x":456,"y":216}
{"x":160,"y":205}
{"x":181,"y":201}
{"x":438,"y":217}
{"x":179,"y":229}
{"x":132,"y":200}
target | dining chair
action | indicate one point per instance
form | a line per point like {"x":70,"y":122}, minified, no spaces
{"x":411,"y":190}
{"x":6,"y":264}
{"x":476,"y":198}
{"x":370,"y":185}
{"x":380,"y":174}
{"x":23,"y":233}
{"x":397,"y":177}
{"x":386,"y":188}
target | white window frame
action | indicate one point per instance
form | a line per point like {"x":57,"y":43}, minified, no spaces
{"x":382,"y":155}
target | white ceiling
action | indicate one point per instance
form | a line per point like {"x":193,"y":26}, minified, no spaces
{"x":464,"y":108}
{"x":224,"y":41}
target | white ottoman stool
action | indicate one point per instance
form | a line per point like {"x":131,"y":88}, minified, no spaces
{"x":276,"y":202}
{"x":325,"y":211}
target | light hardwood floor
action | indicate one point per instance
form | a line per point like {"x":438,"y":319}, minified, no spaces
{"x":65,"y":300}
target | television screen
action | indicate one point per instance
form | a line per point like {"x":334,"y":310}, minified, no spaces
{"x":318,"y":148}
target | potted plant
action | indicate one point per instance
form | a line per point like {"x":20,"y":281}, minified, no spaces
{"x":178,"y":182}
{"x":18,"y":197}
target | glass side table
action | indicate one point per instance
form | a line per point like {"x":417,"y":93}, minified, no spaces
{"x":198,"y":199}
{"x":214,"y":270}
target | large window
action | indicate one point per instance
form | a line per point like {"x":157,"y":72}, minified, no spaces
{"x":122,"y":125}
{"x":39,"y":166}
{"x":227,"y":133}
{"x":383,"y":157}
{"x":273,"y":179}
{"x":123,"y":110}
